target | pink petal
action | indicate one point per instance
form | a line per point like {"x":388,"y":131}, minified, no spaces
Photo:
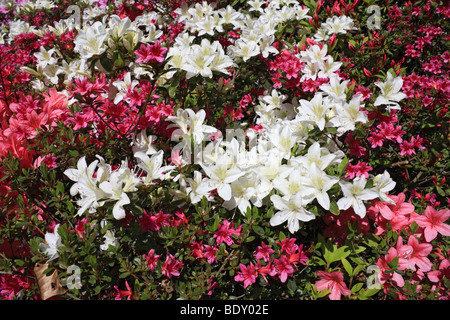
{"x":430,"y":233}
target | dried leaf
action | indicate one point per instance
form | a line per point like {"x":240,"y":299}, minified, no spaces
{"x":165,"y":284}
{"x":49,"y":285}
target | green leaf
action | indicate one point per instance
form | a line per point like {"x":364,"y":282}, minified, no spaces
{"x":259,"y":230}
{"x":59,"y":187}
{"x":250,"y":239}
{"x":332,"y":253}
{"x":292,"y":285}
{"x":216,"y":223}
{"x":347,"y":266}
{"x":343,"y":166}
{"x":106,"y":64}
{"x":357,"y":287}
{"x":334,"y":209}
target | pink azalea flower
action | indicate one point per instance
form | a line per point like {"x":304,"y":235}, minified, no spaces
{"x":414,"y":254}
{"x":263,"y":252}
{"x":443,"y":271}
{"x":151,"y":53}
{"x":433,"y":222}
{"x":267,"y":270}
{"x":210,"y":253}
{"x":171,"y":267}
{"x":123,"y":293}
{"x":152,"y":259}
{"x":225,"y":232}
{"x":384,"y":276}
{"x":247,"y":275}
{"x":399,"y":215}
{"x":333,"y":281}
{"x":284,"y":268}
{"x":407,"y":149}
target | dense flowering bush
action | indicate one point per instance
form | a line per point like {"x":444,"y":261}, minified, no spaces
{"x":239,"y":149}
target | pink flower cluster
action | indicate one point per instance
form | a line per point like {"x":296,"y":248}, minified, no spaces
{"x":290,"y":255}
{"x":154,"y":222}
{"x":415,"y":254}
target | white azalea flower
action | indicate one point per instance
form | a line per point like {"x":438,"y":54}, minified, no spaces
{"x":274,"y":100}
{"x":282,"y":139}
{"x":314,"y":54}
{"x":301,"y":13}
{"x":123,"y":86}
{"x":318,"y":183}
{"x":231,"y":16}
{"x":109,"y":238}
{"x":45,"y":57}
{"x":316,"y":154}
{"x":242,"y":191}
{"x":244,"y":49}
{"x":220,"y":176}
{"x":383,"y":184}
{"x":338,"y":24}
{"x":197,"y":63}
{"x":328,"y":67}
{"x":291,"y":210}
{"x":198,"y":187}
{"x":315,"y":110}
{"x":152,"y":166}
{"x":90,"y":42}
{"x":256,"y":5}
{"x":191,"y":125}
{"x":390,"y":92}
{"x":143,"y":142}
{"x":336,"y":89}
{"x":348,"y":114}
{"x":116,"y":187}
{"x":354,"y":195}
{"x":292,"y":184}
{"x":52,"y":244}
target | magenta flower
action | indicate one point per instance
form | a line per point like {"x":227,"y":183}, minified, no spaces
{"x":263,"y":252}
{"x":284,"y":268}
{"x":151,"y":53}
{"x":225,"y":232}
{"x":171,"y":266}
{"x":433,"y":222}
{"x":248,"y":275}
{"x":333,"y":281}
{"x":123,"y":293}
{"x":152,"y":259}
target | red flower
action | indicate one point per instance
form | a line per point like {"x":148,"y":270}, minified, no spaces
{"x":284,"y":268}
{"x":123,"y":293}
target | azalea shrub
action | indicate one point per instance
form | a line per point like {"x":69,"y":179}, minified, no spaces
{"x":224,"y":149}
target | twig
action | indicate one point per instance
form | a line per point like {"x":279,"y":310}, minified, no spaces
{"x":400,"y":163}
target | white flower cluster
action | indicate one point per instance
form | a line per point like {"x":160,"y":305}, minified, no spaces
{"x":334,"y":25}
{"x":256,"y":38}
{"x":271,"y":170}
